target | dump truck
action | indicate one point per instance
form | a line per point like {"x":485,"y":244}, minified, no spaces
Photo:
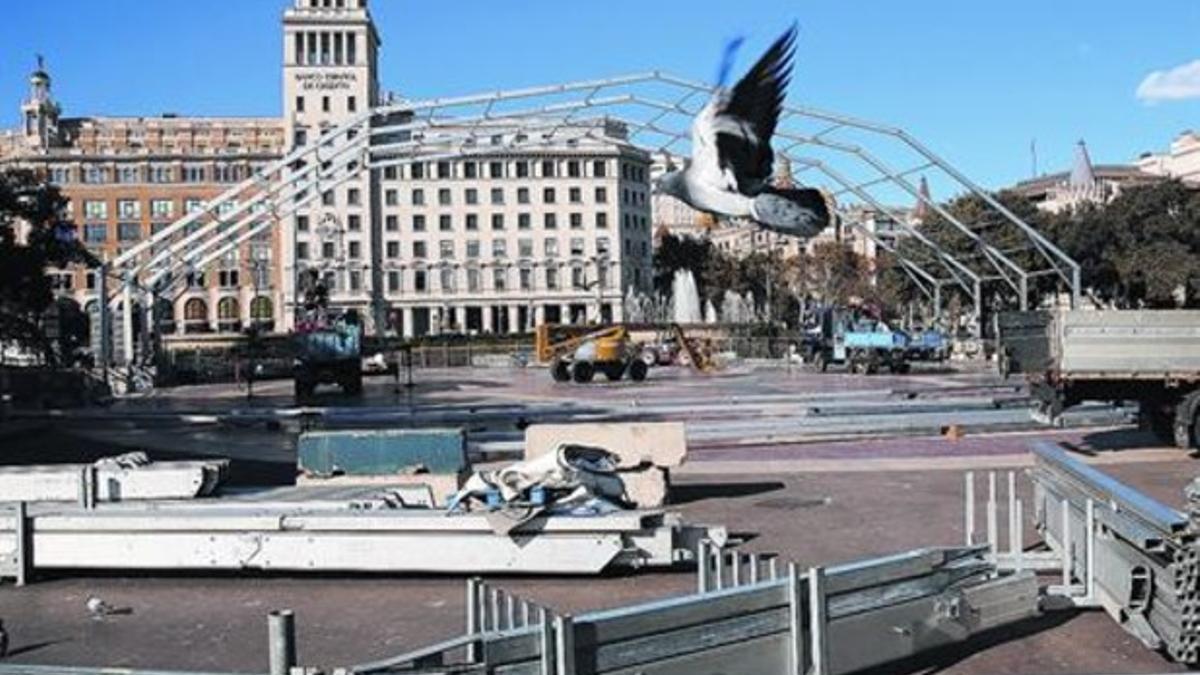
{"x":328,"y":351}
{"x":1148,"y":356}
{"x":605,"y":350}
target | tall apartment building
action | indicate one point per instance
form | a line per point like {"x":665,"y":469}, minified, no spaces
{"x":500,"y":241}
{"x":126,"y":178}
{"x":510,"y":234}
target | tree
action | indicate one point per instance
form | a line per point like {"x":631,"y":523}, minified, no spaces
{"x":1141,"y":249}
{"x":836,"y":275}
{"x":33,"y":237}
{"x":675,"y":253}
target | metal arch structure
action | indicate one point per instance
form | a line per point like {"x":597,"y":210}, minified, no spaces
{"x":860,"y":163}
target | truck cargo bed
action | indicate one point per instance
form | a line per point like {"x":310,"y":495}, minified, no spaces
{"x":1107,"y":345}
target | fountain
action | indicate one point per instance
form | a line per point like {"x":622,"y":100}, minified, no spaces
{"x":710,"y":312}
{"x":736,"y":308}
{"x":634,"y":310}
{"x":685,"y":299}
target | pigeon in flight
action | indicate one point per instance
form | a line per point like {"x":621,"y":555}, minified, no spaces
{"x":732,"y":161}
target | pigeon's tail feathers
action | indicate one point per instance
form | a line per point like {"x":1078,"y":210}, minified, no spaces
{"x":798,"y":212}
{"x":727,"y":57}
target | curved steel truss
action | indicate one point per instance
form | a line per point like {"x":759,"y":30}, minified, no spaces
{"x":860,"y":163}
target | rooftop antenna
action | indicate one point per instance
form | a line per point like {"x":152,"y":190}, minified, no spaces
{"x":1033,"y":156}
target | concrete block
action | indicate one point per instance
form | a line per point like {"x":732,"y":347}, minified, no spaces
{"x":383,"y":452}
{"x":646,"y":487}
{"x":661,"y":444}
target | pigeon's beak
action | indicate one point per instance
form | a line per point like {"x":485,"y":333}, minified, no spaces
{"x":656,"y":187}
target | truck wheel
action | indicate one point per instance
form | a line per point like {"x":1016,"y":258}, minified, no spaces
{"x":820,"y":361}
{"x":353,"y":385}
{"x":614,"y":371}
{"x":1187,"y":421}
{"x":638,"y":370}
{"x":583,"y":372}
{"x":304,"y":389}
{"x":560,"y":370}
{"x":901,"y":367}
{"x":1153,"y":417}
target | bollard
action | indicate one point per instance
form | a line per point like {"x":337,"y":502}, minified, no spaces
{"x":281,"y":630}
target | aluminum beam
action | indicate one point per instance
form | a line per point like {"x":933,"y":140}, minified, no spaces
{"x":308,"y":536}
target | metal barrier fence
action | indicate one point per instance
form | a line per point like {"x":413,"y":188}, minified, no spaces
{"x":747,"y":616}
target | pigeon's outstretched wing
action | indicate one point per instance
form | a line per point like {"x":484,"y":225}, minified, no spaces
{"x":744,"y":120}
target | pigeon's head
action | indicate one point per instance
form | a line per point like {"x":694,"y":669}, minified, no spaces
{"x":670,"y":183}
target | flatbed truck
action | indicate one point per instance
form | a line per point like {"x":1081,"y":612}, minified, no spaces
{"x":1148,"y":356}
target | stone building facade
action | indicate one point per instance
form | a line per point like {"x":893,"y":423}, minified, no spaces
{"x":557,"y":231}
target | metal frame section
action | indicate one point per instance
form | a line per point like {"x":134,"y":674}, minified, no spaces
{"x":337,"y":533}
{"x":747,"y":616}
{"x":650,"y":112}
{"x":1116,"y":549}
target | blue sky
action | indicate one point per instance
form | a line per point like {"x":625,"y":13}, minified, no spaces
{"x":975,"y":80}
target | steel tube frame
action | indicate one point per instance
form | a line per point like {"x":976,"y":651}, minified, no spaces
{"x":364,"y":129}
{"x":950,"y":262}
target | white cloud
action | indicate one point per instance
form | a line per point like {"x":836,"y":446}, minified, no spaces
{"x":1173,"y":84}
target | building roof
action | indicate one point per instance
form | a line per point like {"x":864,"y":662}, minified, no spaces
{"x":1120,"y":173}
{"x":1082,"y":173}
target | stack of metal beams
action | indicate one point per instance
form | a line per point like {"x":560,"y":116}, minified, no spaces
{"x":1146,"y":567}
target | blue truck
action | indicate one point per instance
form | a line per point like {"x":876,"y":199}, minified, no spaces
{"x":864,"y":345}
{"x":928,"y":344}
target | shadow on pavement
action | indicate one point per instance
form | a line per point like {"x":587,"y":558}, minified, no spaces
{"x":938,"y":660}
{"x":33,"y":647}
{"x":694,"y":492}
{"x":1110,"y":440}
